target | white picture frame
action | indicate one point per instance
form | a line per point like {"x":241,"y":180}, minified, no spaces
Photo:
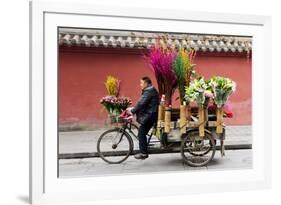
{"x":46,"y":17}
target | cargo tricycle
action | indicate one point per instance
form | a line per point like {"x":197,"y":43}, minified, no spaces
{"x":193,"y":132}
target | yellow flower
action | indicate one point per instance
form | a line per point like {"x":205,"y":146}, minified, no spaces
{"x":112,"y":85}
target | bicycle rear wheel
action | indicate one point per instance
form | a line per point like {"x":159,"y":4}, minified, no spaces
{"x":115,"y":146}
{"x":197,"y":151}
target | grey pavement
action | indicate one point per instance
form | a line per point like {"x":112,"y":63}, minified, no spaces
{"x":86,"y":141}
{"x":172,"y":162}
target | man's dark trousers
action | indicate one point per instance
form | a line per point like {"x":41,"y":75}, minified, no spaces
{"x":143,"y":130}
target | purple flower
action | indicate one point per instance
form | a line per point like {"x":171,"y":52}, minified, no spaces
{"x":161,"y":61}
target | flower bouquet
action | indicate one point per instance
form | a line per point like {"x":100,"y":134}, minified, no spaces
{"x":222,"y":88}
{"x":112,"y":102}
{"x":115,"y":105}
{"x":161,"y":61}
{"x":199,"y":92}
{"x":112,"y":86}
{"x":183,"y":69}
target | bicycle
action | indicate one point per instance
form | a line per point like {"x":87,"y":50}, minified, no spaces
{"x":115,"y":145}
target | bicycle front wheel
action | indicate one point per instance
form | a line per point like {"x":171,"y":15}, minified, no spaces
{"x":115,"y":146}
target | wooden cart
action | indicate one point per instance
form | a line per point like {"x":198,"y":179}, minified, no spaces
{"x":198,"y":131}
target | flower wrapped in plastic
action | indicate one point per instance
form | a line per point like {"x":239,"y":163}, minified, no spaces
{"x":115,"y":105}
{"x":198,"y":91}
{"x":221,"y":88}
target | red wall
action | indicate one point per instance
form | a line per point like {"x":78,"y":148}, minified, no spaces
{"x":82,"y":72}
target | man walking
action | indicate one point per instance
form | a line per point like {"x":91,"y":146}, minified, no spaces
{"x":146,"y":112}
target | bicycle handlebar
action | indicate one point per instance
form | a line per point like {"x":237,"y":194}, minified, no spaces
{"x":126,"y":116}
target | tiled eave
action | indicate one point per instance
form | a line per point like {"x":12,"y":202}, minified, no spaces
{"x":145,"y":40}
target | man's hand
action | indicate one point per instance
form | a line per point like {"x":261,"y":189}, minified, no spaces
{"x":129,"y":110}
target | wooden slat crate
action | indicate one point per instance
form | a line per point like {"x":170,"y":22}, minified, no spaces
{"x":183,"y":121}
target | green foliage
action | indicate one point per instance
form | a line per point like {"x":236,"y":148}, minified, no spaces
{"x":183,"y":69}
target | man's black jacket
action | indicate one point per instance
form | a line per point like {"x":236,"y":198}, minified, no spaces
{"x":147,"y":106}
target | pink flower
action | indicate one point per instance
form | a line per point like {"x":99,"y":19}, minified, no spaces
{"x":227,"y":108}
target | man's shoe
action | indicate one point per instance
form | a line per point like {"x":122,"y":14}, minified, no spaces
{"x":141,"y":156}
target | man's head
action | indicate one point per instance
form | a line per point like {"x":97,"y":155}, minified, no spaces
{"x":145,"y":82}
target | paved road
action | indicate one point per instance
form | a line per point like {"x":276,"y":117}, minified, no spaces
{"x":234,"y":159}
{"x":85,"y":141}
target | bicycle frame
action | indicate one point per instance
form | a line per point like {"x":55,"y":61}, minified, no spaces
{"x":127,"y":127}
